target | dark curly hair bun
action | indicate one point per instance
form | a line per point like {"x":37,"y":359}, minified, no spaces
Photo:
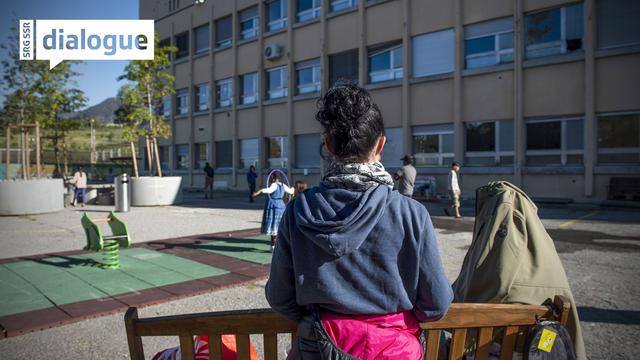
{"x":352,"y":122}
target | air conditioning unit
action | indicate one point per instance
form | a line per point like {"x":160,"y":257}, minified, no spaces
{"x":272,"y":51}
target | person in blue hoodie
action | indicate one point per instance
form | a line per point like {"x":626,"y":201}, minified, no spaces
{"x":354,"y":250}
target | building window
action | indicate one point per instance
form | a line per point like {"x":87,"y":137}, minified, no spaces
{"x":393,"y":149}
{"x":339,"y":5}
{"x":224,"y":154}
{"x":385,"y":64}
{"x":277,"y":82}
{"x":166,"y":107}
{"x":433,"y":53}
{"x":277,"y":12}
{"x":617,"y":23}
{"x":488,"y":43}
{"x":202,"y":97}
{"x":201,"y":39}
{"x":308,"y":151}
{"x":163,"y":153}
{"x":201,"y":156}
{"x":433,"y":145}
{"x":343,"y":68}
{"x":308,"y":9}
{"x":277,"y":152}
{"x":164,"y":43}
{"x":249,"y":91}
{"x":249,"y":23}
{"x":553,"y":32}
{"x":182,"y":157}
{"x":224,"y":93}
{"x":182,"y":44}
{"x":308,"y":76}
{"x":554,"y":142}
{"x":182,"y":101}
{"x":248,"y":153}
{"x":223,"y":32}
{"x":489,"y":143}
{"x":619,"y":139}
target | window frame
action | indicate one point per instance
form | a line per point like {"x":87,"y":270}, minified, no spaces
{"x":252,"y":32}
{"x":551,"y":44}
{"x":438,"y":156}
{"x":497,"y":153}
{"x":198,"y":163}
{"x":187,"y":161}
{"x":335,"y":3}
{"x":282,"y":21}
{"x":314,"y":86}
{"x":230,"y":163}
{"x":284,"y":78}
{"x":166,"y":107}
{"x":618,"y":150}
{"x":309,"y":14}
{"x":254,"y":96}
{"x":229,"y":100}
{"x":333,"y":80}
{"x":226,"y":42}
{"x":497,"y":52}
{"x":197,"y":51}
{"x":252,"y":161}
{"x":281,"y":161}
{"x":185,"y":52}
{"x":563,"y":152}
{"x":198,"y":104}
{"x":314,"y":136}
{"x":395,"y":72}
{"x":182,"y":109}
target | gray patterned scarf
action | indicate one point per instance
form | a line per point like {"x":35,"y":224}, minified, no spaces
{"x":356,"y":176}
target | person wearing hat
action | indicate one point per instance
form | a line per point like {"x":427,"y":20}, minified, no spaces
{"x":406,"y":176}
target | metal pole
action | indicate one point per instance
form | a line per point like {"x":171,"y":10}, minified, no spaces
{"x":8,"y":146}
{"x":27,"y":149}
{"x":38,"y":170}
{"x":23,"y":158}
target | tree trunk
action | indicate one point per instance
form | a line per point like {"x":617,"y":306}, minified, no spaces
{"x":149,"y":162}
{"x":155,"y":149}
{"x":135,"y":161}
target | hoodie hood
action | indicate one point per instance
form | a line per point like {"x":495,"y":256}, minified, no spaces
{"x":339,"y":220}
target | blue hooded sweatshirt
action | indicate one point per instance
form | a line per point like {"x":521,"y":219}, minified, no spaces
{"x":371,"y":252}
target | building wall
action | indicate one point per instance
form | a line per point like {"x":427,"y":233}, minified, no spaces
{"x":584,"y":84}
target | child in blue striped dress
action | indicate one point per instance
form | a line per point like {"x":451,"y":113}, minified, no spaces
{"x":274,"y":206}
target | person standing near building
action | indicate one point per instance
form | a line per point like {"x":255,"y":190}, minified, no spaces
{"x":251,"y":181}
{"x":406,"y":176}
{"x":454,"y":190}
{"x":208,"y":181}
{"x":80,"y":182}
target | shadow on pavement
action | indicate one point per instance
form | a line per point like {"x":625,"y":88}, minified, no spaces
{"x":609,"y":316}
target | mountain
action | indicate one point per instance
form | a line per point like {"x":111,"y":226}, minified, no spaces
{"x":103,"y":112}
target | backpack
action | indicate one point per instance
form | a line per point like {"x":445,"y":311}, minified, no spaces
{"x":549,"y":340}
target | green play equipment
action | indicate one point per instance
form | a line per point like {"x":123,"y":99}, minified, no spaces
{"x":109,"y":245}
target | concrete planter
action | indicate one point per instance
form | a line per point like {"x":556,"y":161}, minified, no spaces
{"x":155,"y":191}
{"x":24,"y":197}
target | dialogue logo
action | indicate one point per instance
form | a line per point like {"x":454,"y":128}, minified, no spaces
{"x":58,"y":40}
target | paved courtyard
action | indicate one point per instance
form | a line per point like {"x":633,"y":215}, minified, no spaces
{"x":206,"y":256}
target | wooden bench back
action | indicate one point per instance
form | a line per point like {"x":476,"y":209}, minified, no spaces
{"x":484,"y":319}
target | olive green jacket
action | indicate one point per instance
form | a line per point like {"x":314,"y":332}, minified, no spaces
{"x":512,"y":259}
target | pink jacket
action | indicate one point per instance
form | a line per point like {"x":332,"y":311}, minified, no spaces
{"x":368,"y":337}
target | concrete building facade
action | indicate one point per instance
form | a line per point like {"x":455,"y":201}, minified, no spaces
{"x":542,"y":93}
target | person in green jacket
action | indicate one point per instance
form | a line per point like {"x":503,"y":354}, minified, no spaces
{"x":512,"y":258}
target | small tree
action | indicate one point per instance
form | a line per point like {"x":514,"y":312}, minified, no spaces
{"x":140,"y":99}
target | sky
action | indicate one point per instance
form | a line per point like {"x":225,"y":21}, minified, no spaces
{"x":98,"y":78}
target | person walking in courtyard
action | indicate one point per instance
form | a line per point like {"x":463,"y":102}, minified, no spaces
{"x":454,"y":190}
{"x":355,"y":261}
{"x":208,"y":181}
{"x":406,"y":176}
{"x":79,"y":180}
{"x":274,"y":206}
{"x":251,"y":181}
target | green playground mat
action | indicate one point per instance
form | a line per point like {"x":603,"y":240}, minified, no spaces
{"x":255,"y":249}
{"x":39,"y":284}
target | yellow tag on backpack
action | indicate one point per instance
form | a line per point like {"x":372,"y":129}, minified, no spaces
{"x":546,"y":340}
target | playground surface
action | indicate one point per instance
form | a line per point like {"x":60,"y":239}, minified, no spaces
{"x":207,"y":255}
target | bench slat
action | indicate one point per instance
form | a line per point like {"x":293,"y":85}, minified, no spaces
{"x":186,"y":347}
{"x":485,"y":337}
{"x":270,"y":346}
{"x":457,"y":344}
{"x":215,"y":347}
{"x":433,"y":344}
{"x":242,"y":345}
{"x":508,"y":342}
{"x":487,"y":315}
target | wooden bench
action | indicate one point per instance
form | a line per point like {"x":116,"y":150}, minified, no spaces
{"x":514,"y":321}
